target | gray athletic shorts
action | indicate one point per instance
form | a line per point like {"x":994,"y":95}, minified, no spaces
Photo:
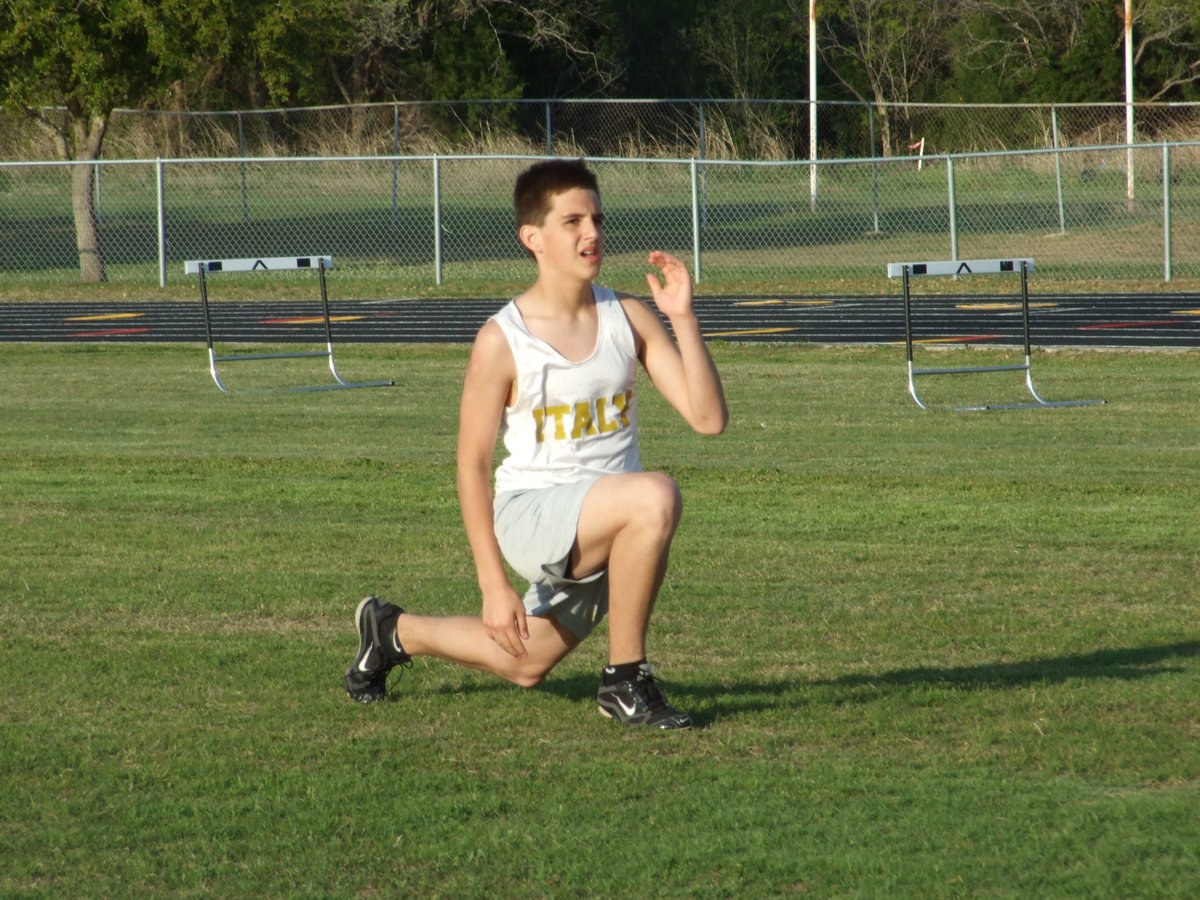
{"x":536,"y":530}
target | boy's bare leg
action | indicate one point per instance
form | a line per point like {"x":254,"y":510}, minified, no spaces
{"x":626,"y":524}
{"x":465,"y":640}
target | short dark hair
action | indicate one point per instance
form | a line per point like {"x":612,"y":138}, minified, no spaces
{"x":540,"y":182}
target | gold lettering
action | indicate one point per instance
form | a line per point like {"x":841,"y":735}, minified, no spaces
{"x":601,"y":420}
{"x":560,"y":414}
{"x":621,"y":402}
{"x":583,"y":420}
{"x":588,"y":420}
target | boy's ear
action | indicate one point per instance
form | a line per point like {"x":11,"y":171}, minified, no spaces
{"x":531,"y":238}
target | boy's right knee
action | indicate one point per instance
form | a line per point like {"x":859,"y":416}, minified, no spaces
{"x":528,"y":675}
{"x":660,"y":502}
{"x":529,"y":681}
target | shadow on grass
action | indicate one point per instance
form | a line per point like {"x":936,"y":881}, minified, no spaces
{"x":1129,"y":663}
{"x":716,"y":699}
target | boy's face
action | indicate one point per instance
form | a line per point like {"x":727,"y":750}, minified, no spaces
{"x":571,"y":239}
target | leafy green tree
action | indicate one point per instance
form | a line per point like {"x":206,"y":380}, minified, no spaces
{"x":1060,"y":51}
{"x":884,"y":51}
{"x":647,"y":47}
{"x":58,"y":69}
{"x":750,"y":49}
{"x":1166,"y":57}
{"x":1038,"y":51}
{"x":380,"y":50}
{"x":65,"y":65}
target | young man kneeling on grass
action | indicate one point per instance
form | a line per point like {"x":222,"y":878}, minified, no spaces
{"x":572,"y":510}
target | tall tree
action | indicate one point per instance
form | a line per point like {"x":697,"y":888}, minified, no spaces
{"x":1071,"y":50}
{"x":456,"y":49}
{"x":749,"y":48}
{"x":67,"y":64}
{"x":883,"y":51}
{"x":1167,"y":49}
{"x":58,"y":69}
{"x":1040,"y":50}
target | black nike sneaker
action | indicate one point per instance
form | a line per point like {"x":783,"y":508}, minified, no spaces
{"x":366,"y":679}
{"x":639,"y":702}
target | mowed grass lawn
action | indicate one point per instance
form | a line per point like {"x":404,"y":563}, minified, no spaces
{"x":929,"y":654}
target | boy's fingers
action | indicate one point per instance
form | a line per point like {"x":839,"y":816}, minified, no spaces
{"x":510,"y":638}
{"x":515,"y":645}
{"x":664,"y":260}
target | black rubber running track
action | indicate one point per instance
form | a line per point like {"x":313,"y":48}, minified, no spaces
{"x":1144,"y":320}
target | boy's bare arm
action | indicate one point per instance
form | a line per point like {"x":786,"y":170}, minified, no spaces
{"x":486,"y":386}
{"x":682,"y":369}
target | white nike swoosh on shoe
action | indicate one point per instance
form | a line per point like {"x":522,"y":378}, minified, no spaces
{"x":629,"y":710}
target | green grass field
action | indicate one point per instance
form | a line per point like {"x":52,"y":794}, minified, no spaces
{"x":930,"y":654}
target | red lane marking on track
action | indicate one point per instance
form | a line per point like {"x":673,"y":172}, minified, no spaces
{"x":1129,"y":325}
{"x":79,"y":334}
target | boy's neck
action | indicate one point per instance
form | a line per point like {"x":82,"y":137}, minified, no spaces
{"x":548,"y":294}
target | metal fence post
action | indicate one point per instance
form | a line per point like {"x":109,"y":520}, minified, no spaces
{"x":242,"y":166}
{"x":162,"y":223}
{"x":874,"y":170}
{"x":695,"y":221}
{"x":812,"y":155}
{"x":437,"y":219}
{"x":1062,"y":218}
{"x":395,"y":164}
{"x":1166,"y":186}
{"x":953,"y":204}
{"x":703,"y":172}
{"x":549,"y":132}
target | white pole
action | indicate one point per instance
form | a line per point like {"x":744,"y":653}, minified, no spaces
{"x":160,"y":200}
{"x":695,"y":223}
{"x":437,"y":219}
{"x":812,"y":102}
{"x":1129,"y":100}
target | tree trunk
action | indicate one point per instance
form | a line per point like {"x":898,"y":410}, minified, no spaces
{"x":884,"y":118}
{"x":87,"y":239}
{"x":80,"y":139}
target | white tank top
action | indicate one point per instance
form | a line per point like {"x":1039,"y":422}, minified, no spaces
{"x":571,"y":420}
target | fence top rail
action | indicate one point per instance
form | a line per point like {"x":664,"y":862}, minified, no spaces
{"x":665,"y":101}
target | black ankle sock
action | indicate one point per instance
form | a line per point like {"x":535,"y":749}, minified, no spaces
{"x":391,"y":643}
{"x":622,"y":672}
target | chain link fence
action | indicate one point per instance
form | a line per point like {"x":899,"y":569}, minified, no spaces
{"x":1107,"y":214}
{"x":771,"y":130}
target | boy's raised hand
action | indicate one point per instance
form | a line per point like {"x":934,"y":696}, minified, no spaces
{"x":673,"y":294}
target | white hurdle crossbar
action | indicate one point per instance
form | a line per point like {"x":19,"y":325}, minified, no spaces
{"x":272,"y":264}
{"x":974,"y":267}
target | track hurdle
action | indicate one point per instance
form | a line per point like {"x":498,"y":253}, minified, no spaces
{"x":272,"y":264}
{"x":975,"y":267}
